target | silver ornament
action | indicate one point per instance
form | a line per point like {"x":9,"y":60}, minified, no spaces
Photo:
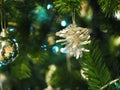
{"x":8,"y":49}
{"x":74,"y":38}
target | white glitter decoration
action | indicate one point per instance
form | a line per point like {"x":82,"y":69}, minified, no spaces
{"x":74,"y":38}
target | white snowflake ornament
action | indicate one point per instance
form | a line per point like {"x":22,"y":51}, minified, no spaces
{"x":74,"y":38}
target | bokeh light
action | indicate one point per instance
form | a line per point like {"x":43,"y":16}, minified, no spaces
{"x":41,"y":14}
{"x":28,"y":89}
{"x":0,"y":65}
{"x":31,"y":28}
{"x":44,"y":47}
{"x":117,"y":15}
{"x":49,"y":6}
{"x":64,"y":51}
{"x":11,"y":29}
{"x":3,"y":78}
{"x":63,"y":23}
{"x":117,"y":41}
{"x":55,"y":49}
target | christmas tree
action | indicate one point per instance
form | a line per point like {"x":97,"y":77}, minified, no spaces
{"x":63,"y":45}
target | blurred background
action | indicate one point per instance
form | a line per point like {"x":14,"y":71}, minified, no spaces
{"x":41,"y":63}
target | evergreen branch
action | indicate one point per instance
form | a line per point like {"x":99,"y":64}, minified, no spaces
{"x":95,"y":69}
{"x":109,"y":7}
{"x":108,"y":84}
{"x":68,"y":6}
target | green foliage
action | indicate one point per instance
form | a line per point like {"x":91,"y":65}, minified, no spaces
{"x":109,"y":7}
{"x":21,"y":71}
{"x":68,"y":6}
{"x":67,"y":80}
{"x":21,"y":68}
{"x":95,"y":68}
{"x":32,"y":62}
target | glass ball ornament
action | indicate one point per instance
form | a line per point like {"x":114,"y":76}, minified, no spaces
{"x":8,"y":50}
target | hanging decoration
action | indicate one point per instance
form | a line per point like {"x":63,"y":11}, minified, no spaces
{"x":8,"y":46}
{"x":74,"y":37}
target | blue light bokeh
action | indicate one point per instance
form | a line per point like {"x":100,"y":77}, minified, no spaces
{"x":55,"y":49}
{"x":63,"y":23}
{"x":41,"y":14}
{"x":49,"y":6}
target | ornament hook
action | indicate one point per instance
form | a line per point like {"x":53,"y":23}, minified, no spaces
{"x":3,"y":22}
